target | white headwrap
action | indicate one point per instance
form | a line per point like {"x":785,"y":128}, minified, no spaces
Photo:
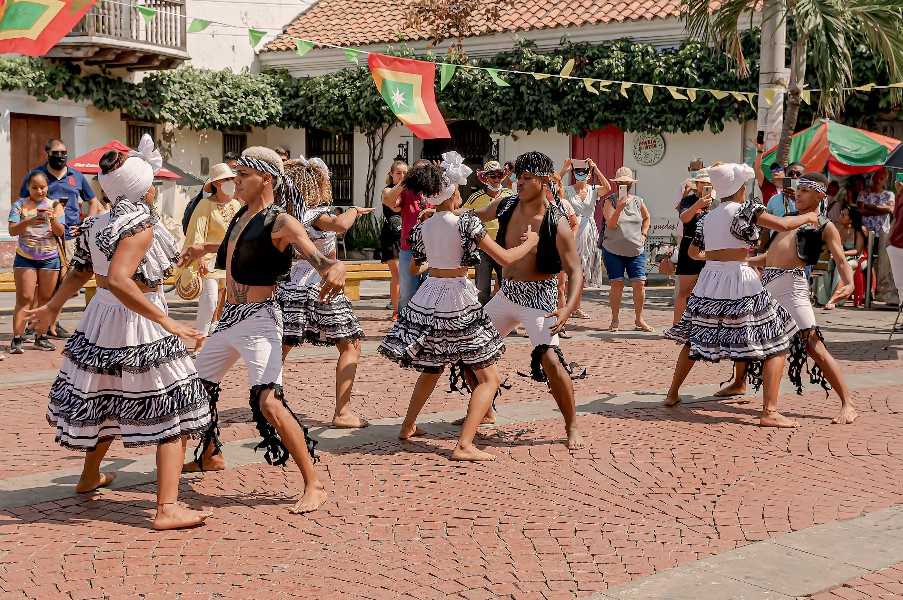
{"x":456,"y":173}
{"x":136,"y":175}
{"x":727,"y":179}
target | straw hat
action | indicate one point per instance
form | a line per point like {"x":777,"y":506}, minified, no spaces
{"x":700,"y":176}
{"x":624,"y":175}
{"x":218,"y":172}
{"x":188,"y":284}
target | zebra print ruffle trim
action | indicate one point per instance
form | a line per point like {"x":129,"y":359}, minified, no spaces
{"x":88,"y":356}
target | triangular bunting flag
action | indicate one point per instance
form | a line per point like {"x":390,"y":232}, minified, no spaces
{"x":147,"y":13}
{"x":446,"y":72}
{"x":568,"y":68}
{"x":302,"y":47}
{"x":255,"y":35}
{"x":198,"y":25}
{"x":806,"y":96}
{"x":624,"y":86}
{"x":352,"y":56}
{"x":647,"y":91}
{"x":868,"y":87}
{"x":588,"y":84}
{"x":603,"y":85}
{"x":494,"y":74}
{"x":719,"y":94}
{"x":691,"y":93}
{"x":541,"y":76}
{"x":769,"y":94}
{"x":407,"y":87}
{"x":674,"y":93}
{"x":739,"y":97}
{"x":751,"y":98}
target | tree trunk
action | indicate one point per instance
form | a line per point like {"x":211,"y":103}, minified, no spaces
{"x":794,"y":96}
{"x":376,"y":142}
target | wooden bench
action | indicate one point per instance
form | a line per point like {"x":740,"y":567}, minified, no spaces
{"x":8,"y":284}
{"x":368,"y":271}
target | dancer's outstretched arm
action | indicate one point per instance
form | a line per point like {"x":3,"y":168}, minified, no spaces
{"x":289,"y":231}
{"x":508,"y":256}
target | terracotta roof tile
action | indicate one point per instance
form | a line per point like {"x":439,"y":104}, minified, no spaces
{"x":363,"y":22}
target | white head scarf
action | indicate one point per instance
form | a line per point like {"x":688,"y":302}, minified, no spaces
{"x":135,"y":176}
{"x":727,"y":179}
{"x":456,"y":173}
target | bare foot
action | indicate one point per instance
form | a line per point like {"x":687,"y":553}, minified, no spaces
{"x":314,"y":497}
{"x":409,"y":432}
{"x":644,"y":326}
{"x":671,"y":401}
{"x":173,"y":516}
{"x":349,"y":421}
{"x":470,"y":453}
{"x":575,"y":442}
{"x":85,"y":486}
{"x":729,"y":391}
{"x":488,"y":419}
{"x":847,"y":415}
{"x":217,"y":462}
{"x":776,"y":419}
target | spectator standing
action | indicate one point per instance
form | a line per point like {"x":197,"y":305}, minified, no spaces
{"x":390,"y":235}
{"x":687,"y":186}
{"x":38,"y":223}
{"x":624,"y":248}
{"x":691,"y":209}
{"x":421,"y":181}
{"x":487,"y":270}
{"x":876,"y":204}
{"x":582,"y":195}
{"x":895,"y":240}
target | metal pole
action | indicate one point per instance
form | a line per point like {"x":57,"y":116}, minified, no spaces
{"x":868,"y":270}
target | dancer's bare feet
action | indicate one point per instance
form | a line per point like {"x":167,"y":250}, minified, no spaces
{"x":488,"y":419}
{"x":776,"y":419}
{"x":847,"y":415}
{"x":217,"y":462}
{"x":575,"y":442}
{"x":409,"y":432}
{"x":171,"y":515}
{"x":86,"y":486}
{"x":314,"y":497}
{"x":671,"y":400}
{"x":731,"y":390}
{"x":644,"y":326}
{"x":614,"y":326}
{"x":470,"y":453}
{"x":349,"y":421}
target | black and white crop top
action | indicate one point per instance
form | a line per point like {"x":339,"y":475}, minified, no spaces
{"x":729,"y":225}
{"x":448,"y":241}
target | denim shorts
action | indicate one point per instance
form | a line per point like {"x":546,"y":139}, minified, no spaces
{"x":48,"y":264}
{"x":617,"y":265}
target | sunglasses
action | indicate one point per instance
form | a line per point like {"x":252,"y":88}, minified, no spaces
{"x":795,"y":174}
{"x":494,"y":175}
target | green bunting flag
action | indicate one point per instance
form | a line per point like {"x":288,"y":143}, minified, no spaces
{"x":255,"y":35}
{"x":302,"y":47}
{"x":198,"y":25}
{"x":494,"y":74}
{"x":351,"y":55}
{"x":146,"y":13}
{"x":446,"y":72}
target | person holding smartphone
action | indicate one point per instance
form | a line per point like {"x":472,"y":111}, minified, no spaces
{"x":37,"y":221}
{"x":691,"y":209}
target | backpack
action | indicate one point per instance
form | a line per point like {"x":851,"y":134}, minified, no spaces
{"x":189,"y":210}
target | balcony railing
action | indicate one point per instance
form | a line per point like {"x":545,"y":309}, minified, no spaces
{"x":119,"y":20}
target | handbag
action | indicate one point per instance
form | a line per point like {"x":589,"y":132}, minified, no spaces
{"x":188,"y":284}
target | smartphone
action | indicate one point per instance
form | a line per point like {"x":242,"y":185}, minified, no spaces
{"x":760,"y":138}
{"x":579,"y":163}
{"x":622,"y":192}
{"x":707,"y":191}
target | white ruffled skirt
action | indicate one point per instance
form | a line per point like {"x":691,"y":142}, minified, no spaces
{"x":125,"y":376}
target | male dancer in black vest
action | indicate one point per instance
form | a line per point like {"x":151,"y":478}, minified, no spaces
{"x":529,"y":292}
{"x":257,"y":252}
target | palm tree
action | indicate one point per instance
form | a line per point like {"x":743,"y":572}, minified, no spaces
{"x":823,"y":33}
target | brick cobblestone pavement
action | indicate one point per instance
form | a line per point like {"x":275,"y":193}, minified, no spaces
{"x":655,"y":488}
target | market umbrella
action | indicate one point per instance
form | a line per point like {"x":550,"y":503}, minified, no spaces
{"x":843,"y":150}
{"x":895,"y":160}
{"x":87,"y":163}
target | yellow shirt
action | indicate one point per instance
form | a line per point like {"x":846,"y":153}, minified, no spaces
{"x":480,"y":199}
{"x":208,"y":225}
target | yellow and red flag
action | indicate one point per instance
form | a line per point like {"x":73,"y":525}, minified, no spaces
{"x":32,"y":27}
{"x":407,"y":86}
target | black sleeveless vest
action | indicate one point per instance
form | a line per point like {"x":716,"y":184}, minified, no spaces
{"x":547,"y":259}
{"x":255,"y":260}
{"x":809,"y":242}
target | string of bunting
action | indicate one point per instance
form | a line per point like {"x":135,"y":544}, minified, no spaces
{"x":447,"y":70}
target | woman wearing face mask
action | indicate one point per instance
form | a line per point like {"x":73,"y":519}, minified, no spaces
{"x":208,"y":225}
{"x":582,"y":196}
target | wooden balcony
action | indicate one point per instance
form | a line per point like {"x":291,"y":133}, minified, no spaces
{"x":114,"y":35}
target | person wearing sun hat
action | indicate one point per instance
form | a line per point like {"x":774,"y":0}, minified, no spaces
{"x":491,"y":177}
{"x":690,"y":210}
{"x":729,"y":314}
{"x":627,"y":224}
{"x":208,"y":224}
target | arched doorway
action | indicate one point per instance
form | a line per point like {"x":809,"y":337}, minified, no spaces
{"x":469,"y":139}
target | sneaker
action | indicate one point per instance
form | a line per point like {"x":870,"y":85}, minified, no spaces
{"x":28,"y":335}
{"x":42,"y":343}
{"x":15,"y":346}
{"x":61,"y":332}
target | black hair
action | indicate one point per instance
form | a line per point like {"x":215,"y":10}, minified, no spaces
{"x":110,"y":161}
{"x":231,"y":156}
{"x":796,"y":164}
{"x":50,"y":143}
{"x":36,"y":174}
{"x":280,"y":150}
{"x":424,"y":179}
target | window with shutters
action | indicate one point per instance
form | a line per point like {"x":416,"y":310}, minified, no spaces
{"x":234,"y":142}
{"x":337,"y":151}
{"x":134,"y":130}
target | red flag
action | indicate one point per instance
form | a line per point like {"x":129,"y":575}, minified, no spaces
{"x":32,"y":27}
{"x":407,"y":86}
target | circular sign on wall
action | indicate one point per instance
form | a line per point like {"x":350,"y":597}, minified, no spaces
{"x":648,"y":149}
